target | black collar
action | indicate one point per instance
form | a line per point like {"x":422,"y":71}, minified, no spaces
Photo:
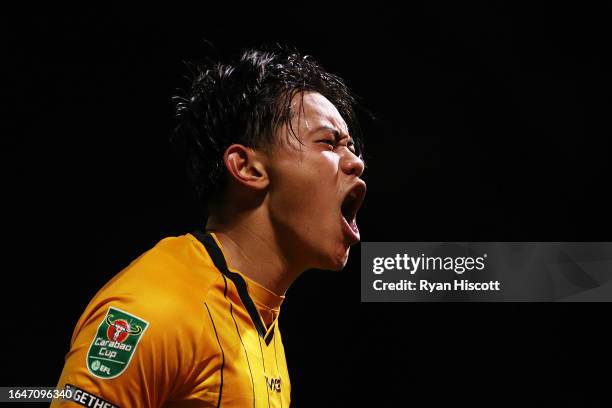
{"x":219,"y":260}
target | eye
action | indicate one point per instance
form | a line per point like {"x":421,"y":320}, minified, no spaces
{"x":330,"y":142}
{"x":351,"y":146}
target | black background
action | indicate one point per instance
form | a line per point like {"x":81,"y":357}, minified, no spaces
{"x":492,"y":124}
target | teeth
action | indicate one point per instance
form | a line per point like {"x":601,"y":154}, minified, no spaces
{"x":353,"y":226}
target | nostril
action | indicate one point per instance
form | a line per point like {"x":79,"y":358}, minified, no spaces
{"x":353,"y":166}
{"x":358,"y":167}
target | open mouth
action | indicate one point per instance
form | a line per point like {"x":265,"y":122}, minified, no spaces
{"x":350,"y":206}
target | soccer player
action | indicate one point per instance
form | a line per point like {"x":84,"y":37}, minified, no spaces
{"x":273,"y":147}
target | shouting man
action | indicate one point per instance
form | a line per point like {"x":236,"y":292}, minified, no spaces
{"x":272,"y":146}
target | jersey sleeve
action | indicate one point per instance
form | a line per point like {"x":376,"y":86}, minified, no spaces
{"x":146,"y":338}
{"x":109,"y":359}
{"x":132,"y":354}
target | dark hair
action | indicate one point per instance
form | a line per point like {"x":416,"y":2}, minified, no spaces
{"x":246,"y":101}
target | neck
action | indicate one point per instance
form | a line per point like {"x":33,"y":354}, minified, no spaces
{"x":252,"y":248}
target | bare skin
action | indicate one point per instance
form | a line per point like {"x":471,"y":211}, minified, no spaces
{"x":281,"y":214}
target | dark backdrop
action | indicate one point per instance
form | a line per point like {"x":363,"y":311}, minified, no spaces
{"x":492,"y":124}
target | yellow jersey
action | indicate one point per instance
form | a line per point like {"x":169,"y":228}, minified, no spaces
{"x":178,"y":327}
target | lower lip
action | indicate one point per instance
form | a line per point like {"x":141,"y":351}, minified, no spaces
{"x":352,"y":233}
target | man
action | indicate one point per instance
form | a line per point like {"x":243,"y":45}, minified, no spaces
{"x":272,"y":146}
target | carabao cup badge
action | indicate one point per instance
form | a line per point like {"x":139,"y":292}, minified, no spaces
{"x":115,"y":342}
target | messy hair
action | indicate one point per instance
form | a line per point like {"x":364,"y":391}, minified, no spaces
{"x":246,"y":100}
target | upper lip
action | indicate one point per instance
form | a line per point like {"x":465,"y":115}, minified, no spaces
{"x":352,"y":200}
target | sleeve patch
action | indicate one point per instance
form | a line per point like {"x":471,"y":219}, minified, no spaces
{"x":114,"y":344}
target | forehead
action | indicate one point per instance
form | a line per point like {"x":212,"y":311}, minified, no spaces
{"x":312,"y":110}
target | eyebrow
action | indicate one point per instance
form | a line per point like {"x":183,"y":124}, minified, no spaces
{"x":335,"y":131}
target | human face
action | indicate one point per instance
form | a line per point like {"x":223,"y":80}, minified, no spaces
{"x":315,"y":187}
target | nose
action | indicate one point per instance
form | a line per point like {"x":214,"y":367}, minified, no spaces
{"x":352,"y":164}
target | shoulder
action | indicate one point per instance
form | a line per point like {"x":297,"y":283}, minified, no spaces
{"x":182,"y":259}
{"x":165,"y":287}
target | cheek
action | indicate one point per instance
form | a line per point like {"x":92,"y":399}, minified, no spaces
{"x":289,"y":193}
{"x":304,"y":191}
{"x":306,"y":185}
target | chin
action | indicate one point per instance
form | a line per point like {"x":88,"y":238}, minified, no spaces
{"x":339,"y":259}
{"x":327,"y":254}
{"x":331,"y":259}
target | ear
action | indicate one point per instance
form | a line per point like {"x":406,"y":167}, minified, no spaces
{"x":245,"y":166}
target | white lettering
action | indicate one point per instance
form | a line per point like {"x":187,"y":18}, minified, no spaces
{"x":434,"y":286}
{"x":378,"y":269}
{"x":415,"y":265}
{"x":100,"y":341}
{"x":467,"y":285}
{"x":107,"y":353}
{"x":400,"y":285}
